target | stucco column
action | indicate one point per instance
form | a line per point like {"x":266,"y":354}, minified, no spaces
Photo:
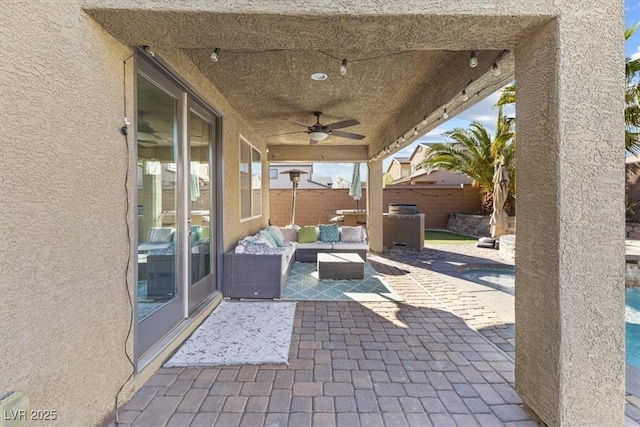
{"x":374,"y":206}
{"x":570,"y":209}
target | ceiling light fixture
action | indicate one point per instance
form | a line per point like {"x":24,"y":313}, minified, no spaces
{"x":465,"y":97}
{"x":415,"y":131}
{"x":318,"y":136}
{"x":445,"y":115}
{"x":319,"y":77}
{"x":495,"y":69}
{"x":402,"y":138}
{"x":424,"y":121}
{"x":473,"y":60}
{"x":343,"y":67}
{"x":214,"y":55}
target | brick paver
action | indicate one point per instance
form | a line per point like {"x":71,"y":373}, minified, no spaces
{"x":419,"y":362}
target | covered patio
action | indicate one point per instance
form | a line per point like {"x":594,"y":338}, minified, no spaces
{"x":442,"y":357}
{"x":243,"y":69}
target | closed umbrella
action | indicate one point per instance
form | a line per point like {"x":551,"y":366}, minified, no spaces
{"x":499,"y":216}
{"x":355,"y":190}
{"x":194,"y":184}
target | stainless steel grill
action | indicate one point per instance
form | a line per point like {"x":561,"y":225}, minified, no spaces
{"x":403,"y":230}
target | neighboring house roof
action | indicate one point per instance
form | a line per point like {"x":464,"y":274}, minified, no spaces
{"x":325,"y":181}
{"x":401,"y":160}
{"x":419,"y":148}
{"x":420,"y":173}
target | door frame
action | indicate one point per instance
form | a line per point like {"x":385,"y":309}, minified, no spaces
{"x":146,"y":345}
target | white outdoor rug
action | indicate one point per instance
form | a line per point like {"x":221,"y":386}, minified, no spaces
{"x":240,"y":333}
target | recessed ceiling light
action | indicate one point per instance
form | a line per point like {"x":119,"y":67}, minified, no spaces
{"x":319,"y":77}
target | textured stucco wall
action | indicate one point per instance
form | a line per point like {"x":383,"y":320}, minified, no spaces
{"x":570,"y":276}
{"x":63,"y":312}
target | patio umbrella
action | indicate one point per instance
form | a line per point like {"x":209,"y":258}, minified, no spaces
{"x":355,"y":190}
{"x":194,"y":187}
{"x":499,"y":216}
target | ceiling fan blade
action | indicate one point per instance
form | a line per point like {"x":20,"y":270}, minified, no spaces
{"x":342,"y":124}
{"x":347,"y":135}
{"x":296,"y":123}
{"x":288,"y":133}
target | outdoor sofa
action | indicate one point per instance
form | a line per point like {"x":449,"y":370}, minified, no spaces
{"x":260,"y":271}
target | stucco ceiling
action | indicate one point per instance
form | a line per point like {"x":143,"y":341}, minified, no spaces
{"x":420,"y":65}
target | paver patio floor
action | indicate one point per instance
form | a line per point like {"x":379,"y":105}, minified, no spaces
{"x":421,"y":362}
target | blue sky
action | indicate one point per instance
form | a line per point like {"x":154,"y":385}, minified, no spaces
{"x":483,"y":112}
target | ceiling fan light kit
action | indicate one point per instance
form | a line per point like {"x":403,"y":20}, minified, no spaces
{"x":318,"y":136}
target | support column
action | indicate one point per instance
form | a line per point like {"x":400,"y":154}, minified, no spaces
{"x":374,"y":206}
{"x":570,"y":248}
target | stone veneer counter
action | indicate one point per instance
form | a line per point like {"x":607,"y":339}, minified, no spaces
{"x":508,"y":247}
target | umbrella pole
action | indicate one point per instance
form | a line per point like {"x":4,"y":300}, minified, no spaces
{"x":293,"y":204}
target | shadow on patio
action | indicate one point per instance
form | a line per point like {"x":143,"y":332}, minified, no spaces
{"x":372,"y":363}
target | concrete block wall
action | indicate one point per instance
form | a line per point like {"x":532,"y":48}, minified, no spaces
{"x":435,"y":203}
{"x":310,"y":205}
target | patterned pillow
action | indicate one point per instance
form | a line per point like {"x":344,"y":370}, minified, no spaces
{"x":329,"y":233}
{"x":307,"y":235}
{"x":351,"y":234}
{"x":276,"y":234}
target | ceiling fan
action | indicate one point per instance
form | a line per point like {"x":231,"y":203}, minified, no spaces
{"x":147,"y":135}
{"x":319,"y":132}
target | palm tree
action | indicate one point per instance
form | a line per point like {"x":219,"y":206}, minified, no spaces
{"x":507,"y":95}
{"x":631,"y":95}
{"x":476,"y":154}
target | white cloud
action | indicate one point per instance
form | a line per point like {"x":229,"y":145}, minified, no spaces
{"x":635,"y":55}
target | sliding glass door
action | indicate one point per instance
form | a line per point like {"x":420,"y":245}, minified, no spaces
{"x":176,"y":194}
{"x":201,"y":125}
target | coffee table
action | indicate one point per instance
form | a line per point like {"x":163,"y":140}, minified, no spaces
{"x":340,"y":266}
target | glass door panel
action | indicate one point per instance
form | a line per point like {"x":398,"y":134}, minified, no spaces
{"x":159,"y":306}
{"x":201,"y":261}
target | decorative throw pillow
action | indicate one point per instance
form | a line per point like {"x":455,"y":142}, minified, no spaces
{"x":267,"y":235}
{"x":195,"y":232}
{"x":351,"y":234}
{"x":160,"y":235}
{"x":277,"y":235}
{"x":307,"y":235}
{"x":329,"y":233}
{"x":290,"y":233}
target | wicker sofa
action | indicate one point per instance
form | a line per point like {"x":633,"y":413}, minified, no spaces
{"x":248,"y":275}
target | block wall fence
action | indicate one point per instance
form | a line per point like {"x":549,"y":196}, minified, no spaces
{"x":312,"y":204}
